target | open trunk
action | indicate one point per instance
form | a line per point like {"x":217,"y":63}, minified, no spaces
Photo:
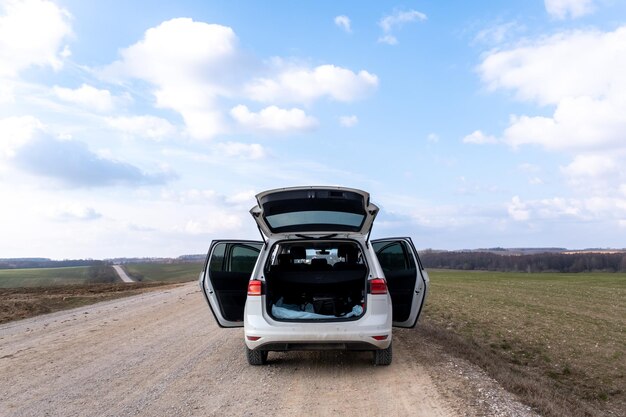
{"x":316,"y":281}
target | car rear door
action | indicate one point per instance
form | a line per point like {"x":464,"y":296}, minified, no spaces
{"x":406,"y":279}
{"x":224,"y":280}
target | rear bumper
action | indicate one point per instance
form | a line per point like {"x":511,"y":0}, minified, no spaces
{"x":264,"y":333}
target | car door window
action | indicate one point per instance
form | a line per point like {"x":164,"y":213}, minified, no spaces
{"x":242,"y":259}
{"x":393,"y":257}
{"x":230,"y":266}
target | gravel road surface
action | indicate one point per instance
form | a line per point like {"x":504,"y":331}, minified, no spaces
{"x":122,"y":274}
{"x":161,"y":354}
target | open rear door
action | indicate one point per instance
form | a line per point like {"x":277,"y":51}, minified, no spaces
{"x":406,"y":279}
{"x":224,"y":280}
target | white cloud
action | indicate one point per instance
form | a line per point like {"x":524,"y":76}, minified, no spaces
{"x":193,"y":66}
{"x":189,"y":64}
{"x":561,"y":9}
{"x":585,"y":208}
{"x":273,"y":119}
{"x":398,"y":19}
{"x":16,"y":132}
{"x":432,"y":137}
{"x":74,"y":212}
{"x":578,"y":123}
{"x":600,"y":174}
{"x":30,"y":147}
{"x":479,"y":138}
{"x":498,"y":33}
{"x":86,"y":96}
{"x":241,"y":150}
{"x":243,"y":197}
{"x":32,"y":32}
{"x":303,"y":85}
{"x":388,"y":39}
{"x":150,"y":127}
{"x":588,"y":123}
{"x":348,"y":121}
{"x":395,"y":21}
{"x":541,"y":71}
{"x":343,"y":22}
{"x":517,"y":210}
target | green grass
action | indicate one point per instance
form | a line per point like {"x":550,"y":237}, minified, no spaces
{"x":152,"y":272}
{"x":566,"y":328}
{"x":43,"y":277}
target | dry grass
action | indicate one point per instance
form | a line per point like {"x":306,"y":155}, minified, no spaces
{"x":556,"y":340}
{"x":21,"y":303}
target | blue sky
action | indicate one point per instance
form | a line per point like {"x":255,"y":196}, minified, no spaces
{"x":145,"y":128}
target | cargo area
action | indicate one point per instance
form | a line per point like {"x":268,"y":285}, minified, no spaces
{"x":316,"y":280}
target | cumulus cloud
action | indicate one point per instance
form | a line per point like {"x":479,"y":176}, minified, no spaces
{"x":29,"y":147}
{"x":561,"y":9}
{"x":74,"y":212}
{"x":343,"y":22}
{"x":73,"y":164}
{"x":597,"y":173}
{"x":189,"y":64}
{"x":541,"y":71}
{"x":588,"y":121}
{"x":479,"y":138}
{"x":86,"y":96}
{"x":303,"y":85}
{"x":274,"y":119}
{"x":193,"y":67}
{"x":432,"y":137}
{"x":15,"y":132}
{"x":498,"y":33}
{"x":240,"y":150}
{"x":32,"y":33}
{"x":395,"y":21}
{"x":150,"y":127}
{"x":348,"y":121}
{"x":607,"y":208}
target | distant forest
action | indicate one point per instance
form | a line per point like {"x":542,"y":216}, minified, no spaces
{"x":540,"y":262}
{"x":16,"y":263}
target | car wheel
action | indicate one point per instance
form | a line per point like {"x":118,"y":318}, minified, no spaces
{"x":383,"y":357}
{"x":256,"y":357}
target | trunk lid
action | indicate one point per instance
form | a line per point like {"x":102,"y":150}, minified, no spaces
{"x":314,"y":210}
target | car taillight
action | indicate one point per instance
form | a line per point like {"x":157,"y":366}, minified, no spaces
{"x":255,"y":287}
{"x":378,"y":286}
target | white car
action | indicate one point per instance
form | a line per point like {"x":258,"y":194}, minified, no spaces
{"x":316,"y":281}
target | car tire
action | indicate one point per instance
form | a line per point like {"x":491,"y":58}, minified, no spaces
{"x":383,"y":357}
{"x":256,"y":357}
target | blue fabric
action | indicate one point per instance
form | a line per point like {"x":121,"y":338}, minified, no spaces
{"x":293,"y":311}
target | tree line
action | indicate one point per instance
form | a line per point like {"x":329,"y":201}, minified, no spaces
{"x":541,"y":262}
{"x":19,"y":263}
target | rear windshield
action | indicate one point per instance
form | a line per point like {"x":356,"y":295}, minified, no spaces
{"x":314,"y":210}
{"x":316,"y":220}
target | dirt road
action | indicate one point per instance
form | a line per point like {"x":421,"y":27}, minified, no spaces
{"x":122,"y":274}
{"x":161,"y":354}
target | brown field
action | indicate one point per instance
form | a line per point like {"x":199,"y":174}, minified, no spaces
{"x":20,"y":303}
{"x":556,"y":340}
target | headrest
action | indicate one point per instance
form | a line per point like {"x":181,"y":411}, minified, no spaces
{"x":319,"y":262}
{"x":284,"y":259}
{"x":347,"y":252}
{"x":297,"y":252}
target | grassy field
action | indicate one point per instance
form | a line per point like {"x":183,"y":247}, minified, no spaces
{"x":43,"y":277}
{"x":151,"y":272}
{"x":561,"y":337}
